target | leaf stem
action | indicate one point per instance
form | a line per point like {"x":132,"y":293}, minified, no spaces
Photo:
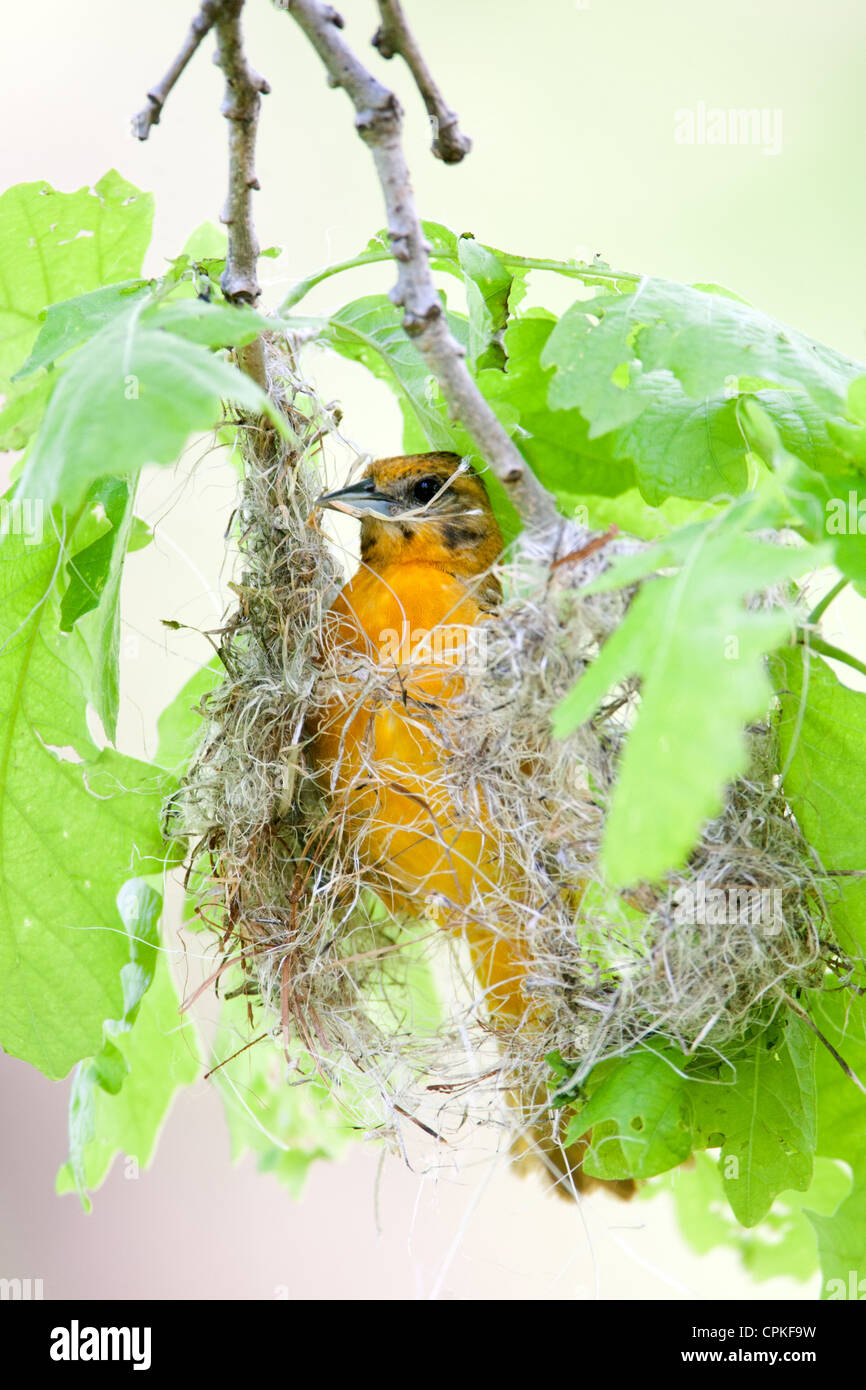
{"x":817,"y":644}
{"x":820,"y":608}
{"x":573,"y":270}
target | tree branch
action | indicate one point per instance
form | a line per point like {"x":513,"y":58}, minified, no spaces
{"x":241,"y":103}
{"x":394,"y":36}
{"x":158,"y":95}
{"x":239,"y":281}
{"x":378,"y":119}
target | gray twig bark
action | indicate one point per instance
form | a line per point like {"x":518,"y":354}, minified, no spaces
{"x":378,"y":119}
{"x":395,"y":36}
{"x":158,"y":95}
{"x":244,"y":89}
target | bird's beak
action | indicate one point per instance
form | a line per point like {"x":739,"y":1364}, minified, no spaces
{"x":358,"y":499}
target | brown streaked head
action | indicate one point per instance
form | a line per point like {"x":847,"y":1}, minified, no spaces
{"x":422,"y":509}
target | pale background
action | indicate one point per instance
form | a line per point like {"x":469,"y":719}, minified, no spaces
{"x":571,"y":108}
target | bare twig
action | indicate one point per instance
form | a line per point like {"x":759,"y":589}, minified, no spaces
{"x":378,"y":120}
{"x":158,"y":95}
{"x":244,"y":87}
{"x":394,"y":36}
{"x":240,"y":107}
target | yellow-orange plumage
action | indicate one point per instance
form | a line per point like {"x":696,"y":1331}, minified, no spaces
{"x":428,"y":540}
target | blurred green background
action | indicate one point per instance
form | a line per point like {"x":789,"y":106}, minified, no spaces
{"x":571,"y":108}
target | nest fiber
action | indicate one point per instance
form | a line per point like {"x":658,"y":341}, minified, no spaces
{"x":386,"y":1006}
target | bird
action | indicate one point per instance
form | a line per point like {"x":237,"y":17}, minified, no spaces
{"x":423,"y":591}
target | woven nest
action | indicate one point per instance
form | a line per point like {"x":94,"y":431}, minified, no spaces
{"x":275,"y":865}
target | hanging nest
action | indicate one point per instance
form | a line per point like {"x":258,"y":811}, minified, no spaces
{"x":274,"y":862}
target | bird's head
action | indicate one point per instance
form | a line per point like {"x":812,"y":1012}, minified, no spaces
{"x":422,"y":508}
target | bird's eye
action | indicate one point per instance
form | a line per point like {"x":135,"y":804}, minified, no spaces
{"x":426,"y":489}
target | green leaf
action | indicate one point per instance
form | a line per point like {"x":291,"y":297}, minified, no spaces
{"x":803,"y":428}
{"x":767,"y":1117}
{"x":140,"y":535}
{"x":212,"y":325}
{"x":596,"y":368}
{"x":91,"y":602}
{"x":841,"y":1242}
{"x":209,"y":241}
{"x":704,"y":339}
{"x":683,"y":447}
{"x":823,"y":505}
{"x":488,"y":287}
{"x":54,"y":246}
{"x":71,"y":322}
{"x":444,"y":256}
{"x":22,"y":414}
{"x":640,"y":1117}
{"x":179,"y":725}
{"x":707,"y":341}
{"x":556,"y":443}
{"x":88,"y":566}
{"x":841,"y":1017}
{"x":834,"y":507}
{"x":630,"y":512}
{"x":288,"y":1118}
{"x":780,"y":1246}
{"x":370,"y":331}
{"x":130,"y":396}
{"x":700,"y":653}
{"x":822,"y":735}
{"x":822,"y":738}
{"x":857,"y":400}
{"x":73,"y":821}
{"x":672,"y":445}
{"x":121,"y":1098}
{"x":681,"y":422}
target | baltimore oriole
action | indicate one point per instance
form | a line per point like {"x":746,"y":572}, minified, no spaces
{"x":429,"y":538}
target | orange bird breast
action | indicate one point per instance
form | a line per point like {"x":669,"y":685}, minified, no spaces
{"x":384,"y":761}
{"x":428,"y":539}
